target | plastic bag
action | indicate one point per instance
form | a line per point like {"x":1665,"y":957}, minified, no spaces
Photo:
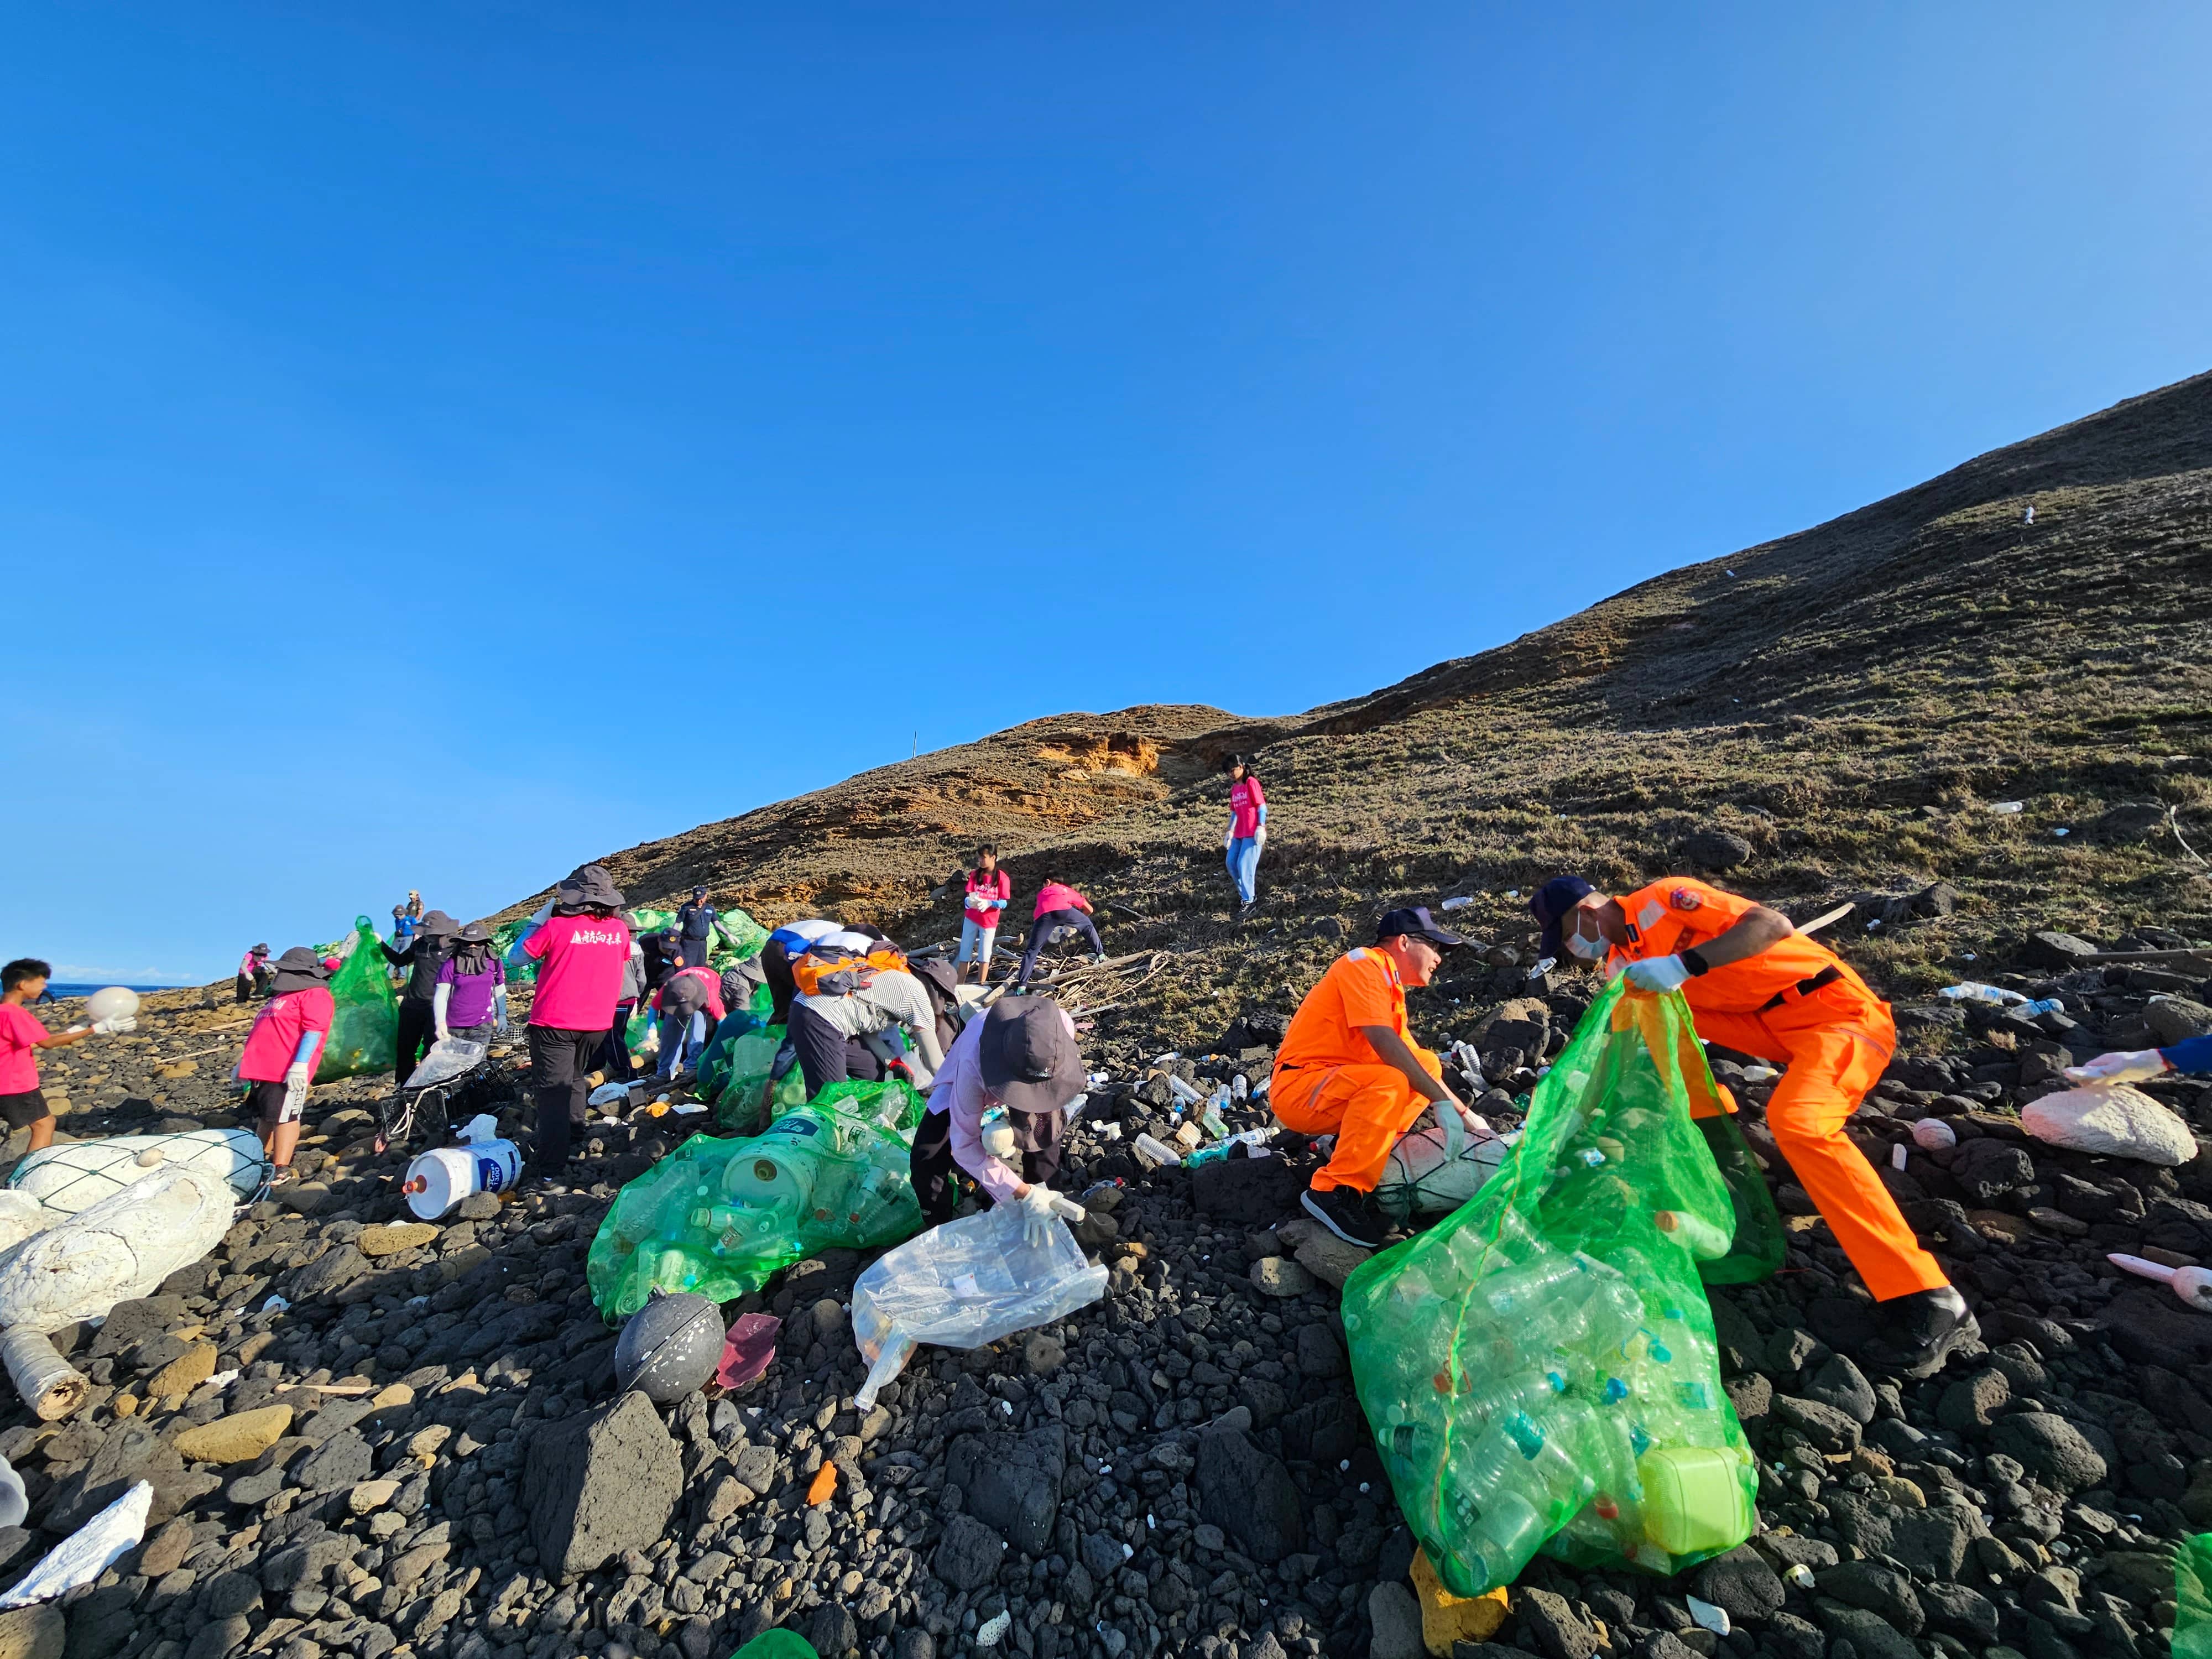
{"x":1539,"y":1369}
{"x":365,"y":1028}
{"x":719,"y":1216}
{"x":2192,"y":1598}
{"x":449,"y":1058}
{"x":965,"y":1283}
{"x":73,"y":1176}
{"x":88,"y":1551}
{"x":733,"y":938}
{"x":716,"y":1065}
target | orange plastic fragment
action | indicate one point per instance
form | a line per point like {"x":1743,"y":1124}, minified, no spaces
{"x":825,"y":1483}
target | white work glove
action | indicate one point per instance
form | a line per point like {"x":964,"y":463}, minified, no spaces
{"x":297,"y":1077}
{"x":1660,"y":973}
{"x":1259,"y":839}
{"x":1228,"y":839}
{"x":499,"y":1002}
{"x":1038,"y":1211}
{"x":2129,"y":1066}
{"x":113,"y":1027}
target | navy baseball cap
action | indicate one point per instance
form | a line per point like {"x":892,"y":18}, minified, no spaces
{"x":1416,"y":920}
{"x":1553,"y":900}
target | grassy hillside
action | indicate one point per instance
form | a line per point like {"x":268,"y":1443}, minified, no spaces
{"x":1849,"y":700}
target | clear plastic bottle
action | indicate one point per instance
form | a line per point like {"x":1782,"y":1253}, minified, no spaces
{"x":1694,"y":1234}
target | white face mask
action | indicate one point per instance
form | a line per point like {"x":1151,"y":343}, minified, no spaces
{"x":1589,"y":949}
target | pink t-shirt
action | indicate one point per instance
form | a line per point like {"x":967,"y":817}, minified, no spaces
{"x":709,"y":981}
{"x":276,"y":1032}
{"x":1057,"y":895}
{"x":579,"y":972}
{"x":19,"y":1033}
{"x":1245,"y":801}
{"x":999,"y":885}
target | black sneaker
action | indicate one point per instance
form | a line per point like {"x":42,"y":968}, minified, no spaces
{"x":1347,"y":1212}
{"x":1920,"y":1332}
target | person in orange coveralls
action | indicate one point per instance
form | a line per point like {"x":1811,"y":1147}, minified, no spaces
{"x":1755,"y":984}
{"x":1349,"y":1067}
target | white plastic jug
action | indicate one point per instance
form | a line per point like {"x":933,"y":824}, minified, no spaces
{"x":444,"y":1176}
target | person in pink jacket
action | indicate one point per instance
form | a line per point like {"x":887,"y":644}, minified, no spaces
{"x":281,"y":1052}
{"x":989,"y":889}
{"x":1058,"y":907}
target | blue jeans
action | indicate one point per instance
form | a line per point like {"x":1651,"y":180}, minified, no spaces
{"x":1244,"y":866}
{"x":976,"y":943}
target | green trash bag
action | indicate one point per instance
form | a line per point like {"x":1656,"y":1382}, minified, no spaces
{"x":2192,"y":1598}
{"x":502,"y":940}
{"x":715,"y":1058}
{"x":777,"y":1644}
{"x":734,"y":937}
{"x":719,"y":1216}
{"x":365,"y":1021}
{"x":1540,"y":1368}
{"x":1760,"y":1245}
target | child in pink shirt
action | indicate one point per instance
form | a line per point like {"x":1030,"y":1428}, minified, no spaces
{"x":1058,"y":907}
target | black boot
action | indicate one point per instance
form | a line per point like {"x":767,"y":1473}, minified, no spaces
{"x":1919,"y":1333}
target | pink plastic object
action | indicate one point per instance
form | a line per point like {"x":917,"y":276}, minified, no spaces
{"x":746,"y":1354}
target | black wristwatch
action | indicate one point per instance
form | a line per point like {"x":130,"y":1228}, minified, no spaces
{"x":1696,"y":964}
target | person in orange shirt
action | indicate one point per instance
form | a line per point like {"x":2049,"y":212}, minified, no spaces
{"x":1349,"y":1067}
{"x":1755,"y":984}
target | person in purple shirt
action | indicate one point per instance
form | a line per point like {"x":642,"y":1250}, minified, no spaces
{"x":2140,"y":1065}
{"x":472,"y":995}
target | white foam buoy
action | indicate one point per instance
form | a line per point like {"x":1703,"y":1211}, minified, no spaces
{"x":114,"y":1002}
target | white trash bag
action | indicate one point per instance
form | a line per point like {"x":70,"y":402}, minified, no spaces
{"x":88,"y":1551}
{"x":449,"y":1058}
{"x":963,"y":1284}
{"x":2113,"y":1120}
{"x":119,"y":1249}
{"x":1436,"y":1167}
{"x":75,"y":1177}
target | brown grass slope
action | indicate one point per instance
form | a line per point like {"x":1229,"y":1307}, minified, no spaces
{"x":1849,"y":700}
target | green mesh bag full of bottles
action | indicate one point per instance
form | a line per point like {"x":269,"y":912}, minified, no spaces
{"x":719,"y":1216}
{"x":365,"y":1017}
{"x":1539,"y":1369}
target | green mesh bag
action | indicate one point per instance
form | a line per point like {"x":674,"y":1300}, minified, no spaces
{"x":2192,"y":1598}
{"x":365,"y":1023}
{"x":502,"y":940}
{"x":715,"y":1060}
{"x":719,"y":1216}
{"x":1540,"y":1368}
{"x":734,"y":938}
{"x":1761,"y":1244}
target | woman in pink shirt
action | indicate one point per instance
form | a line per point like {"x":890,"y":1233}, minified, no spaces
{"x":1058,"y":906}
{"x":281,"y":1052}
{"x":582,"y":948}
{"x":1246,"y":834}
{"x":989,"y":889}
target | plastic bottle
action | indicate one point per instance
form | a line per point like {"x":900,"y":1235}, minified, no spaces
{"x":1183,"y":1092}
{"x":1694,"y":1234}
{"x":1974,"y":991}
{"x":1214,"y":1154}
{"x":1155,"y":1154}
{"x":1238,"y":1088}
{"x":1516,"y":1482}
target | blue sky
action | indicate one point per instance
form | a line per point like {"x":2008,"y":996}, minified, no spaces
{"x":430,"y":434}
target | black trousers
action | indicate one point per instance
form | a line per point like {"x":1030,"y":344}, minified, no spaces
{"x":245,"y":988}
{"x":1041,"y":929}
{"x":694,"y":952}
{"x":560,"y":1060}
{"x":934,"y":1170}
{"x":418,"y":1030}
{"x":827,"y":1055}
{"x":614,"y":1053}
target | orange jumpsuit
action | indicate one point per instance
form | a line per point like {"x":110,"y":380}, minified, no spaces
{"x":1329,"y":1080}
{"x":1795,"y":1004}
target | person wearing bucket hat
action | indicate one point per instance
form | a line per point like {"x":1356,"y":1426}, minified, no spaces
{"x":1755,"y":984}
{"x":282,"y":1050}
{"x":1002,"y":1097}
{"x":423,"y":953}
{"x":581,"y":951}
{"x":1349,"y":1066}
{"x":470,"y":1002}
{"x":254,"y":973}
